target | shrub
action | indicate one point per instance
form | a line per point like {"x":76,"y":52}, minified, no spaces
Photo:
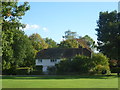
{"x":77,"y":65}
{"x":100,"y":64}
{"x":10,"y":71}
{"x":23,"y":70}
{"x":37,"y":70}
{"x":115,"y":69}
{"x":51,"y":70}
{"x":102,"y":69}
{"x":81,"y":64}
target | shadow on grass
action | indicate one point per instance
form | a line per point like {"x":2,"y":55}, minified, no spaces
{"x":59,"y":77}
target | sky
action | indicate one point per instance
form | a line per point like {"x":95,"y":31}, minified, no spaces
{"x":52,"y":19}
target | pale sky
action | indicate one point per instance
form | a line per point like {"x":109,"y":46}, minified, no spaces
{"x":52,"y":19}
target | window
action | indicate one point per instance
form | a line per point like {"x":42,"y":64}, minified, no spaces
{"x":39,"y":60}
{"x":53,"y":60}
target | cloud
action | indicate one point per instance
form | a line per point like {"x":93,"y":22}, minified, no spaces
{"x":45,"y":29}
{"x":35,"y":27}
{"x":31,"y":27}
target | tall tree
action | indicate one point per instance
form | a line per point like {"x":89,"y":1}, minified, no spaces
{"x":70,"y":43}
{"x":70,"y":35}
{"x":14,"y":42}
{"x":38,"y":42}
{"x":23,"y":50}
{"x":73,"y":41}
{"x":89,"y":41}
{"x":108,"y":33}
{"x":51,"y":43}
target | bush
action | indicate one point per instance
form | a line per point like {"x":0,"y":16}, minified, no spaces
{"x":81,"y":64}
{"x":23,"y":71}
{"x":115,"y":69}
{"x":78,"y":65}
{"x":51,"y":70}
{"x":100,"y":64}
{"x":10,"y":71}
{"x":37,"y":70}
{"x":99,"y":69}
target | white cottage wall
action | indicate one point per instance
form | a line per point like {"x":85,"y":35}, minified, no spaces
{"x":46,"y":62}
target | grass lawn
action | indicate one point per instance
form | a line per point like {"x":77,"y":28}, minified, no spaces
{"x":60,"y":82}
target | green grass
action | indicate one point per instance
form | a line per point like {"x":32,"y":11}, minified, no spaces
{"x":60,"y":82}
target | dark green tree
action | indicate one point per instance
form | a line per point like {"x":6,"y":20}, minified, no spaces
{"x":89,"y":41}
{"x":108,"y":33}
{"x":51,"y":43}
{"x":23,"y":50}
{"x":17,"y":48}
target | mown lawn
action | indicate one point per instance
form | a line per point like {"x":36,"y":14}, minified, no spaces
{"x":60,"y":82}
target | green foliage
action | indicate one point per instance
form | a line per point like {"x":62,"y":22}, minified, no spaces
{"x":77,"y":65}
{"x":63,"y":67}
{"x":37,"y":70}
{"x":23,"y":71}
{"x":90,"y":42}
{"x":108,"y":33}
{"x":99,"y":58}
{"x":82,"y":64}
{"x":70,"y":35}
{"x":100,"y":63}
{"x":38,"y":42}
{"x":51,"y":70}
{"x":70,"y":43}
{"x":71,"y":40}
{"x":115,"y":69}
{"x":11,"y":11}
{"x":51,"y":43}
{"x":17,"y":49}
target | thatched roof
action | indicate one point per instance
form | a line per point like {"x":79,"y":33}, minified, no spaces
{"x":57,"y":53}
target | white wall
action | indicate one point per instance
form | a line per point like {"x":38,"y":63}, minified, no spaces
{"x":46,"y":62}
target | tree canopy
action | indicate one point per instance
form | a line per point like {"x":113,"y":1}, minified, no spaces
{"x":51,"y":43}
{"x":38,"y":42}
{"x":70,"y":43}
{"x":73,"y":41}
{"x":89,"y":41}
{"x":108,"y":33}
{"x":70,"y":35}
{"x":17,"y":49}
